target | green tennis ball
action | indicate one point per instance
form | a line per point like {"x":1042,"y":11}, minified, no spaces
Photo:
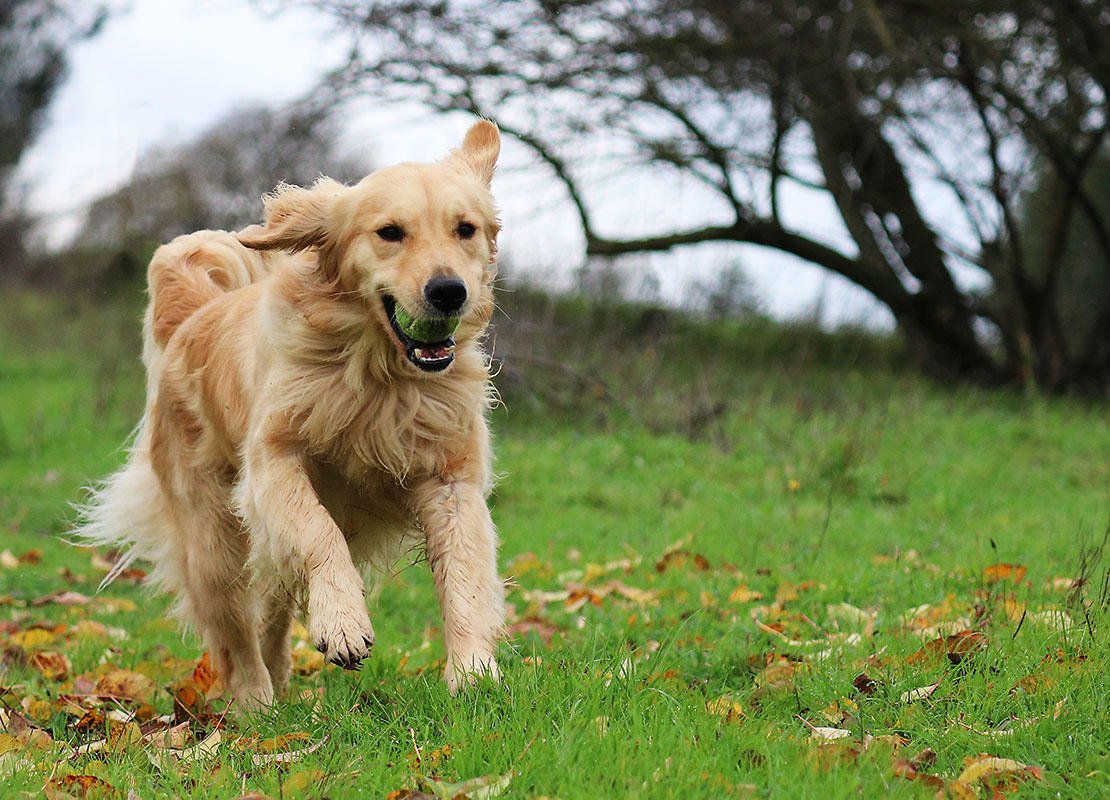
{"x":425,"y":330}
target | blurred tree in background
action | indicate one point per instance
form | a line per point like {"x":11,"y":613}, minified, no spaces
{"x":993,"y":103}
{"x":213,"y":182}
{"x":34,"y":38}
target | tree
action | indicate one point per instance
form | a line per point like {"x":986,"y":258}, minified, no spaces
{"x":34,"y":38}
{"x":868,"y":103}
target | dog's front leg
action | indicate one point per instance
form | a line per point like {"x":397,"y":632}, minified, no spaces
{"x":462,"y":553}
{"x":293,"y":534}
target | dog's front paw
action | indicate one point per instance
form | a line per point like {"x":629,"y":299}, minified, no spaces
{"x":462,"y":671}
{"x":344,"y":636}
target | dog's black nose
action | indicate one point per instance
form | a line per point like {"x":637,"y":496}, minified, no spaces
{"x":445,"y":295}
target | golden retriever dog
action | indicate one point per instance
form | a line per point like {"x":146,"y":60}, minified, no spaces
{"x":316,"y":399}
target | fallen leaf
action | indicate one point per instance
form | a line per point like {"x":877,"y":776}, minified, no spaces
{"x":957,"y":647}
{"x":865,"y":684}
{"x":79,"y":786}
{"x":820,"y":732}
{"x":682,"y":559}
{"x":1004,"y":572}
{"x":173,"y":737}
{"x":726,"y":706}
{"x":170,"y":759}
{"x":286,"y":756}
{"x":204,"y":674}
{"x":307,"y":660}
{"x":993,"y":771}
{"x":742,"y":594}
{"x":920,"y":693}
{"x":481,"y":788}
{"x":534,"y":624}
{"x":123,"y":684}
{"x":53,"y":666}
{"x":123,"y":737}
{"x":190,"y":703}
{"x":32,"y":638}
{"x":62,"y":598}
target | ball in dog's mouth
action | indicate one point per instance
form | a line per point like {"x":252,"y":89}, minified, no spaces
{"x":429,"y":342}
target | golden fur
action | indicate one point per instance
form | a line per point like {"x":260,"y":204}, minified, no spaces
{"x":287,"y":436}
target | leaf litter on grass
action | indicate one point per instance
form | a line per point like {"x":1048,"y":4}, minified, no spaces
{"x":171,"y":709}
{"x":950,"y":635}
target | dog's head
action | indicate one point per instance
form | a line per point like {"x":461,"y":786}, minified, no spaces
{"x":417,"y":243}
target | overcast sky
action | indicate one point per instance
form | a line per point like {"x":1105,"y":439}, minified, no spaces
{"x":164,"y":70}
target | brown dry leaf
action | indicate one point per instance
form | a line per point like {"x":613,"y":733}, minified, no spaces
{"x":482,"y":788}
{"x":865,"y":684}
{"x":79,"y":786}
{"x":545,"y":629}
{"x":205,"y":675}
{"x":528,"y":563}
{"x":643,"y":597}
{"x":829,"y":754}
{"x":742,"y":594}
{"x":957,"y":648}
{"x":53,"y":666}
{"x":1004,"y":572}
{"x":839,"y":711}
{"x":190,"y":703}
{"x":726,"y":706}
{"x":914,"y":767}
{"x":682,"y":559}
{"x":824,"y":733}
{"x":37,"y":709}
{"x":999,"y":774}
{"x":430,"y":762}
{"x":920,"y":693}
{"x":123,"y":684}
{"x":170,"y":759}
{"x":307,"y":660}
{"x":286,"y":756}
{"x":122,"y":737}
{"x":62,"y":598}
{"x":173,"y":737}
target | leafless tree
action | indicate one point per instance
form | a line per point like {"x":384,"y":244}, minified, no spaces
{"x":866,"y":101}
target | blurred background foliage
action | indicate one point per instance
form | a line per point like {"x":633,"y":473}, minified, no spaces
{"x":998,"y":106}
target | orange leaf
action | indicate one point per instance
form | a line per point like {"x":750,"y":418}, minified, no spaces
{"x":123,"y":684}
{"x":1004,"y":572}
{"x":957,"y":647}
{"x":53,"y":666}
{"x":80,"y":786}
{"x":204,"y":674}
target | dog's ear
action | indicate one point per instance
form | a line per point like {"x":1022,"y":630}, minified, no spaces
{"x":479,"y":150}
{"x":295,"y":218}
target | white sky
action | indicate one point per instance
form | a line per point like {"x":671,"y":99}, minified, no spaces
{"x":165,"y":70}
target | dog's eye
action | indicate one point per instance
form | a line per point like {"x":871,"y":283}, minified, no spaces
{"x":465,"y":230}
{"x":391,"y":233}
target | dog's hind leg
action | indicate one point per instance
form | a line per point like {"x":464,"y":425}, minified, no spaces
{"x":218,"y":596}
{"x":277,"y":619}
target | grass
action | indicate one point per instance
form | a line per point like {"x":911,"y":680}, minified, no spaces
{"x":730,"y":534}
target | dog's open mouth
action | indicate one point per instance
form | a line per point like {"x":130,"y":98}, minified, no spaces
{"x":429,"y":343}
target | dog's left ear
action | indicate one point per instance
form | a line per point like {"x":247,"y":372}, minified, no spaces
{"x":295,"y":218}
{"x":479,"y":150}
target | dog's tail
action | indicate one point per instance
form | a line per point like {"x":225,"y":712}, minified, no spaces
{"x":189,"y":272}
{"x":127,"y":513}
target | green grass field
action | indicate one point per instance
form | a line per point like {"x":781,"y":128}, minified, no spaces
{"x":746,"y":561}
